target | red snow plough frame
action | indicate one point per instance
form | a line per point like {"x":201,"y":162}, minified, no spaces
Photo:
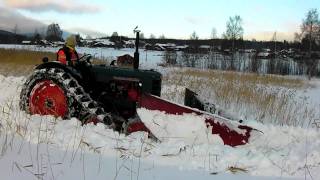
{"x":231,"y":132}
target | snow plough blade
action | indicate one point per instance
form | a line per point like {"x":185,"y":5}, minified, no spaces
{"x":193,"y":100}
{"x":231,"y":132}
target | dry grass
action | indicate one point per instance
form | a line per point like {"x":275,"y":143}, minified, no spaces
{"x":99,"y":61}
{"x":17,"y":62}
{"x":21,"y":62}
{"x":266,"y":98}
{"x":24,"y":57}
{"x":229,"y":76}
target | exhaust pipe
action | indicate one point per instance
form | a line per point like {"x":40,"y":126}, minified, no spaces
{"x":136,"y":53}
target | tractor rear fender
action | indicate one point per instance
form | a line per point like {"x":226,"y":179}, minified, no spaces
{"x":55,"y":64}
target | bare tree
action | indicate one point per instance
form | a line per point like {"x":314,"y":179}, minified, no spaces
{"x":15,"y":29}
{"x":297,"y":37}
{"x":194,"y":36}
{"x":152,"y":36}
{"x":170,"y":58}
{"x":88,"y":37}
{"x":213,"y":33}
{"x":310,"y":33}
{"x":78,"y":39}
{"x":115,"y":34}
{"x":116,"y":39}
{"x":54,"y":33}
{"x":141,"y":35}
{"x":162,"y":36}
{"x":310,"y":27}
{"x":43,"y":31}
{"x":36,"y":37}
{"x":234,"y":31}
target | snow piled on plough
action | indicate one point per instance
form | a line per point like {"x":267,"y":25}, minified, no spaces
{"x":189,"y":128}
{"x":232,"y":133}
{"x":63,"y":149}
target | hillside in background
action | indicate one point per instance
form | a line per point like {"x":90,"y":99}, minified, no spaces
{"x":9,"y":37}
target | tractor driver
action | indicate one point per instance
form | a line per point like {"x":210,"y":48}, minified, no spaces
{"x":67,"y":54}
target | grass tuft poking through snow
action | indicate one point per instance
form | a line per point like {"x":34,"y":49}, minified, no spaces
{"x":264,"y":98}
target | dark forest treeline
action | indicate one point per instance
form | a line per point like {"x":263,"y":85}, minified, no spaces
{"x":12,"y":38}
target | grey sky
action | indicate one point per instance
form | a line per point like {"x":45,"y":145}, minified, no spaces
{"x":10,"y":18}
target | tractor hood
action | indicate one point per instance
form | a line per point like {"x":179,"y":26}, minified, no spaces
{"x":150,"y":79}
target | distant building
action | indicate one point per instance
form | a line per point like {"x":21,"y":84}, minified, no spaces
{"x":181,"y":48}
{"x":205,"y":47}
{"x":129,"y":44}
{"x":26,"y":42}
{"x":162,"y":47}
{"x":102,"y":43}
{"x":249,"y":50}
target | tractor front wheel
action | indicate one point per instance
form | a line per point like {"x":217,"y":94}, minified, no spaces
{"x":48,"y":98}
{"x":55,"y":92}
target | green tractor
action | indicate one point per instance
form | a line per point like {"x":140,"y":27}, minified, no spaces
{"x":111,"y":95}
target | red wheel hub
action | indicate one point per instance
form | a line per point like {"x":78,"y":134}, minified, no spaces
{"x":47,"y":98}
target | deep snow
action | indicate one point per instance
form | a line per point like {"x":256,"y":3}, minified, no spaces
{"x":20,"y":162}
{"x":57,"y":149}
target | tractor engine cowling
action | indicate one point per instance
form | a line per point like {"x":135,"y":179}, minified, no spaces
{"x":119,"y":90}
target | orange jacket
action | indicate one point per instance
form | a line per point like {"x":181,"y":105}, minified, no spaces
{"x":67,"y":54}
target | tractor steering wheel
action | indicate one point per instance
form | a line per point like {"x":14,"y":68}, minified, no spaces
{"x":86,"y":58}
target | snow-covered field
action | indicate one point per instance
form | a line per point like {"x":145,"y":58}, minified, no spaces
{"x":47,"y":148}
{"x":43,"y":147}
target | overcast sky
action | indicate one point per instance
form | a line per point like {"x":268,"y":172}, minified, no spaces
{"x":173,"y":18}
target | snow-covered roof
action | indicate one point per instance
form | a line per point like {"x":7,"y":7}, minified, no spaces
{"x":130,"y":42}
{"x":204,"y":47}
{"x":59,"y":43}
{"x":183,"y":46}
{"x":166,"y":45}
{"x":104,"y":42}
{"x":263,"y":54}
{"x":26,"y":42}
{"x":249,"y":50}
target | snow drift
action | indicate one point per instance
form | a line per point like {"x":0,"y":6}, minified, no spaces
{"x":281,"y":151}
